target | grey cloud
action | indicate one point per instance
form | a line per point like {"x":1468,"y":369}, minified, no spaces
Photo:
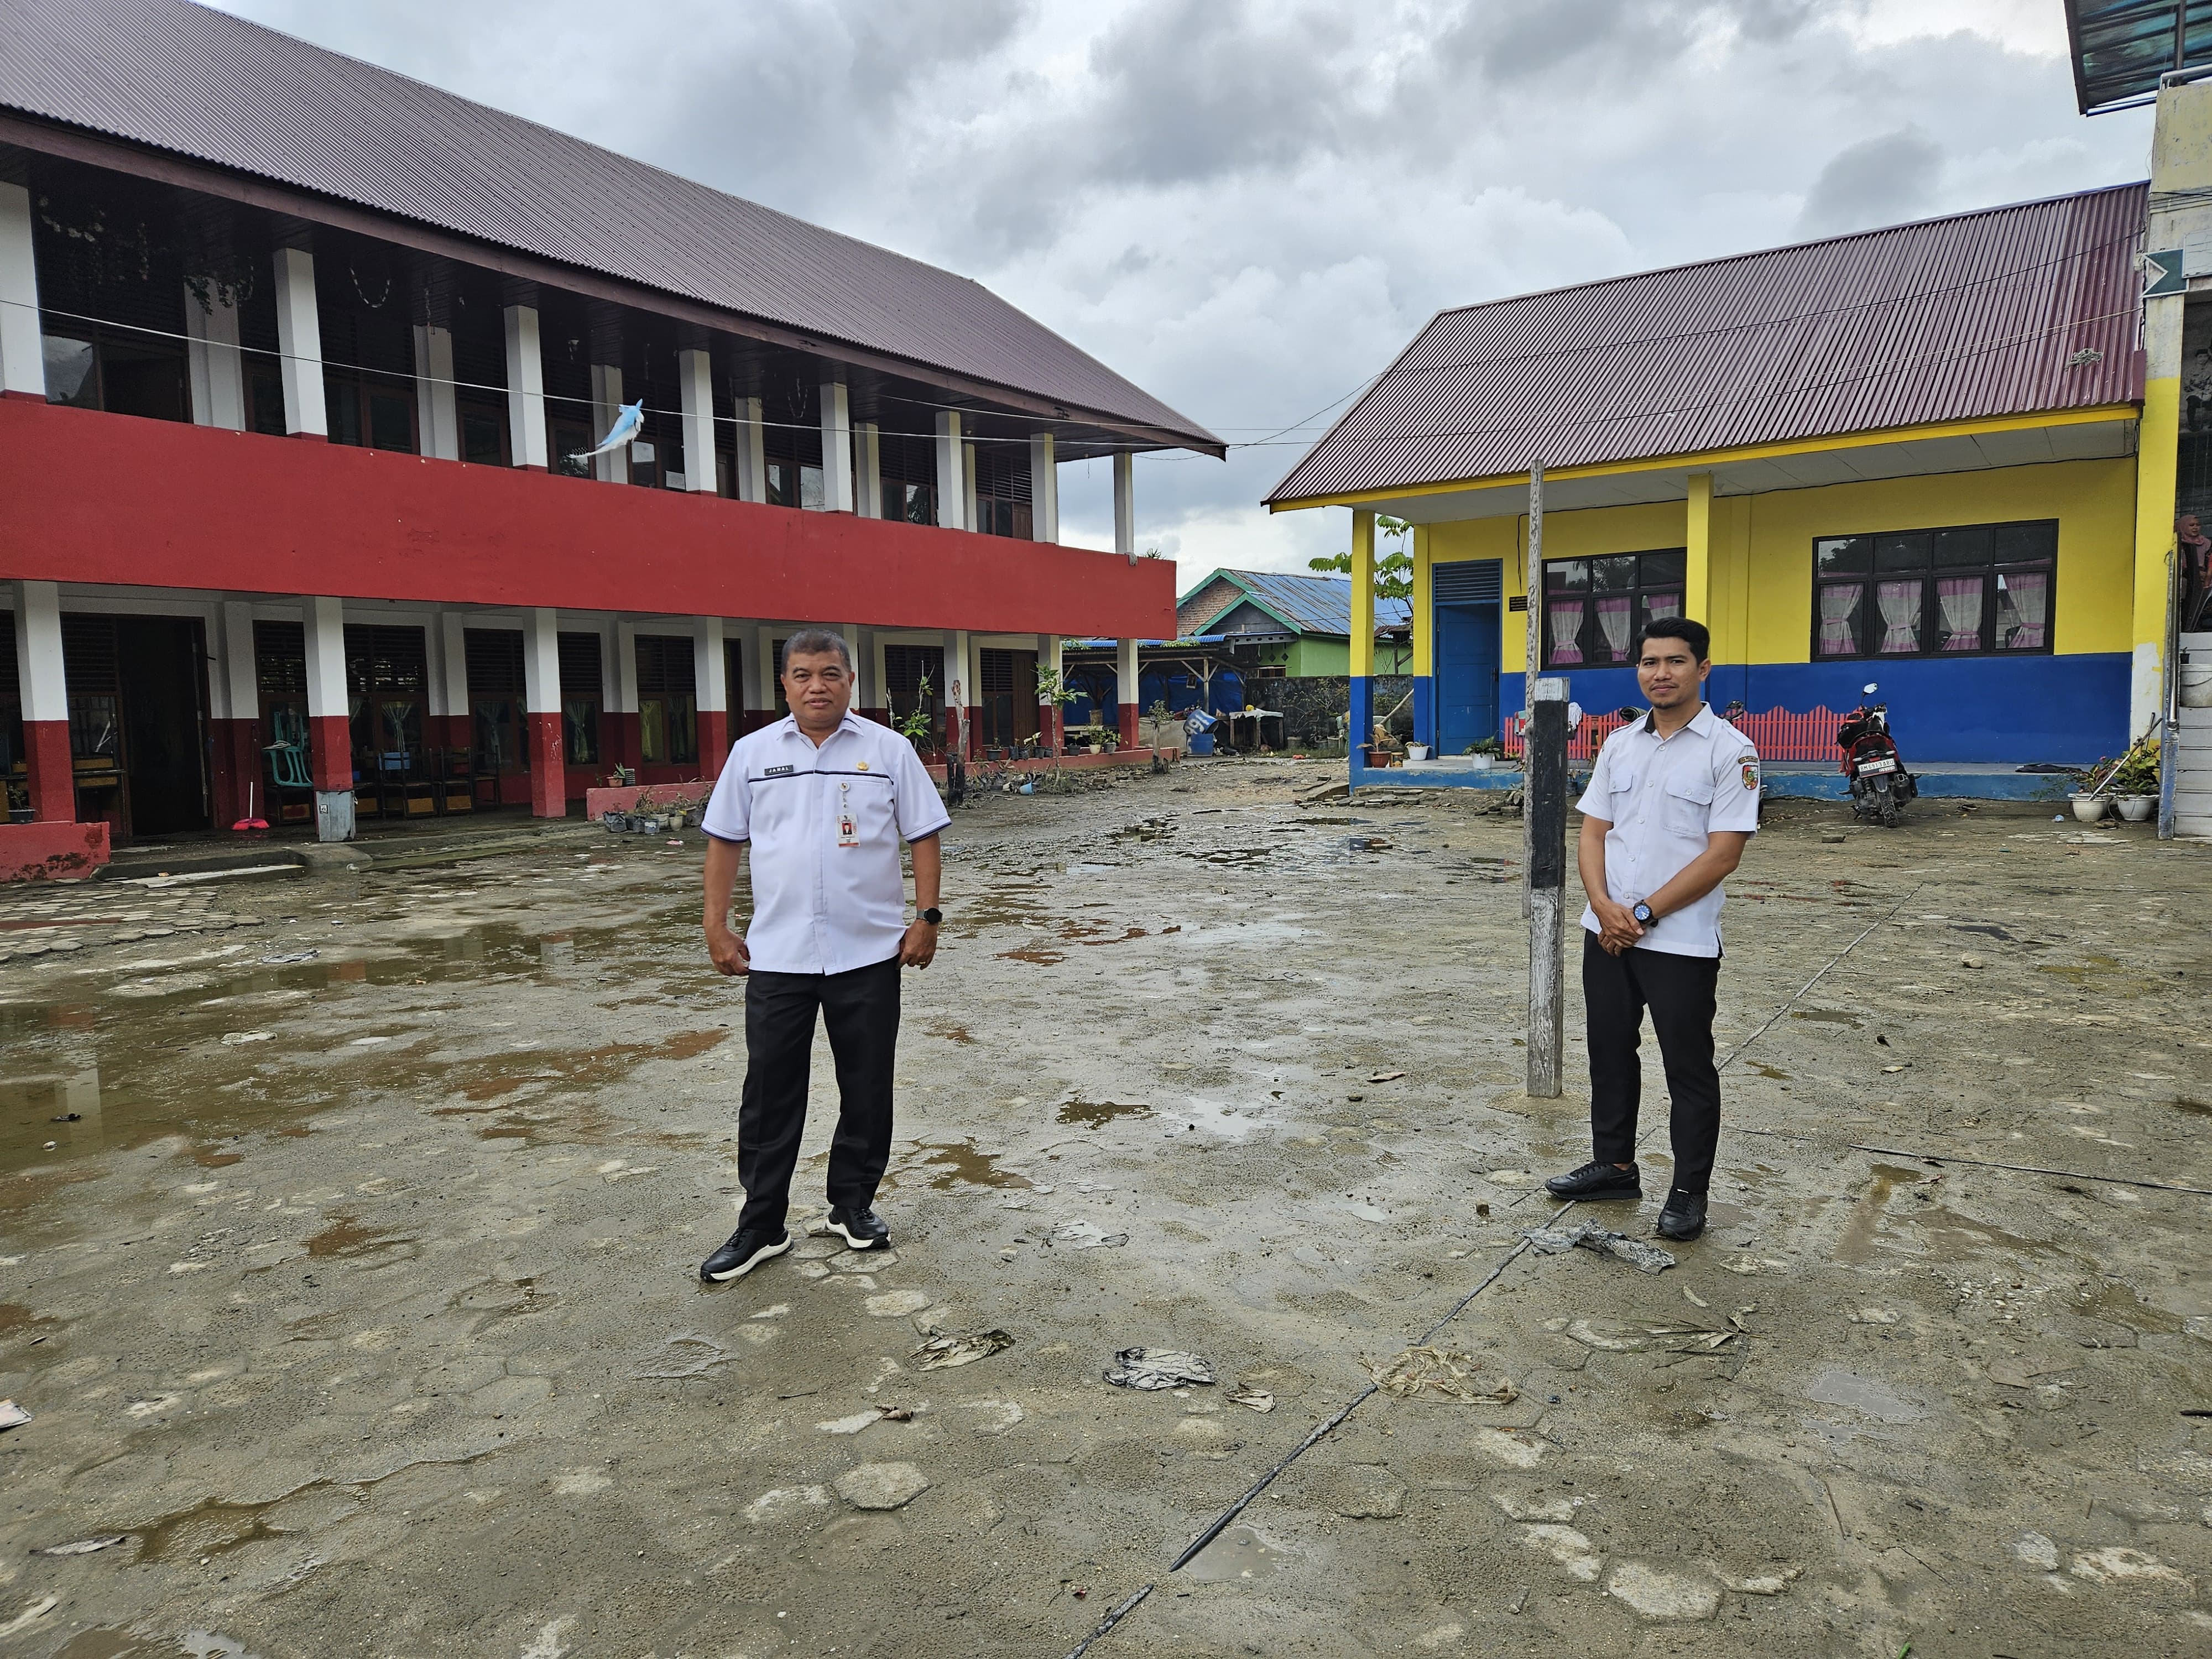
{"x":1876,"y":181}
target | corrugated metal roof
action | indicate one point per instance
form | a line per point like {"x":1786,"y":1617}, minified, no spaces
{"x":1307,"y":604}
{"x":1979,"y":314}
{"x":217,"y":89}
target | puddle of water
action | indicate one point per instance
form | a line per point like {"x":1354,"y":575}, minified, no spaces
{"x":105,"y":1644}
{"x":347,"y":1237}
{"x":953,"y":1033}
{"x":1863,"y":1395}
{"x":1090,"y":1113}
{"x":14,"y":1317}
{"x":960,"y":1162}
{"x":1238,"y":1554}
{"x":1042,"y":956}
{"x":206,"y":1529}
{"x":1764,"y":1069}
{"x":1856,"y":1245}
{"x":2195,"y":1108}
{"x":1954,"y":1235}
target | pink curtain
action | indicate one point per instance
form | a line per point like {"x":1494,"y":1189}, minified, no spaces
{"x":2023,"y":602}
{"x":1960,"y":598}
{"x":1566,"y":632}
{"x":1837,"y":604}
{"x":1662,"y":604}
{"x":1612,"y":618}
{"x":1899,"y":603}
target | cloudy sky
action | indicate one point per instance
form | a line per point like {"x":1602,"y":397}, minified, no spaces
{"x":1250,"y":206}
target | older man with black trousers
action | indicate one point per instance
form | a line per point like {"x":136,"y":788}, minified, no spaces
{"x":1672,"y":802}
{"x":823,"y":799}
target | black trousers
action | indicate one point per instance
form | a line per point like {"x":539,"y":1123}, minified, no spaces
{"x":1679,"y":992}
{"x":861,"y":1011}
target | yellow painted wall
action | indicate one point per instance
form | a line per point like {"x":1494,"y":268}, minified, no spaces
{"x":1762,"y":549}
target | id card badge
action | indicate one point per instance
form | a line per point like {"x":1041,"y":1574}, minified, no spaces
{"x":848,"y":828}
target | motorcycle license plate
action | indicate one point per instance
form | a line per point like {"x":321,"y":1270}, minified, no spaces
{"x":1867,"y":768}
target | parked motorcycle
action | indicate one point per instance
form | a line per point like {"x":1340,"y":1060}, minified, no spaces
{"x":1879,"y":784}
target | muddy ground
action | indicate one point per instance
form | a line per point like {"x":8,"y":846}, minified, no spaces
{"x":353,"y":1297}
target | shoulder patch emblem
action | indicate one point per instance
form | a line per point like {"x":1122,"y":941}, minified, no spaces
{"x":1751,"y":771}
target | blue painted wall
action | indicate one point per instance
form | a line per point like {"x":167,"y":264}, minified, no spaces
{"x":2001,"y":710}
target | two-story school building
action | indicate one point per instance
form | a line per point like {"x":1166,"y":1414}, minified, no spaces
{"x":1905,"y":457}
{"x":298,"y":356}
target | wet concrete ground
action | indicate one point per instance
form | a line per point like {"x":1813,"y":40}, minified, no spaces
{"x":353,"y":1296}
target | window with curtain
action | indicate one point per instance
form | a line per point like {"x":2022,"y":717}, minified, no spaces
{"x":1594,"y":610}
{"x":1965,"y":590}
{"x":667,"y":700}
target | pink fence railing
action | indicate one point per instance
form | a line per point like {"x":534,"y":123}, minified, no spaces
{"x":1779,"y":734}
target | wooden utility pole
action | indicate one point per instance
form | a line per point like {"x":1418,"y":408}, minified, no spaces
{"x":1544,"y":791}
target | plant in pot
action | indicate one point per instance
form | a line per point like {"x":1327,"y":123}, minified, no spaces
{"x":1053,"y":692}
{"x":2134,"y":782}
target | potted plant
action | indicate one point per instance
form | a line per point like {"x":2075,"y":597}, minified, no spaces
{"x":2134,"y":782}
{"x":914,"y":725}
{"x":1054,"y":692}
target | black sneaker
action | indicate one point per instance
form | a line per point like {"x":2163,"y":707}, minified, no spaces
{"x":1684,"y":1217}
{"x":1598,"y":1180}
{"x":863,"y":1230}
{"x":747,"y":1248}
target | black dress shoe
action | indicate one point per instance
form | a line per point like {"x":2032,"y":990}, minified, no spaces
{"x":864,"y":1230}
{"x":1684,"y":1217}
{"x":746,"y":1249}
{"x":1598,"y":1180}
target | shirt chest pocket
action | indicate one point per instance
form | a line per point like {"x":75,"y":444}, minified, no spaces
{"x":1686,"y":805}
{"x":868,"y":800}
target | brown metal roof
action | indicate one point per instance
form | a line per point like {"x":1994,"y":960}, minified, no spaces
{"x":214,"y":88}
{"x":1979,"y":315}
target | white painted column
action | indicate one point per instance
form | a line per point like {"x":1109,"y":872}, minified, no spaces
{"x":1125,"y":504}
{"x":851,"y":631}
{"x":710,"y":668}
{"x":618,"y":689}
{"x":453,"y":676}
{"x":969,"y":509}
{"x":958,"y":692}
{"x":837,"y":447}
{"x":952,"y":472}
{"x":765,"y":669}
{"x":329,"y":741}
{"x":1049,"y":662}
{"x":1044,"y":489}
{"x":879,"y":668}
{"x":694,"y":382}
{"x":436,"y":413}
{"x":44,"y":688}
{"x":541,"y":660}
{"x":22,"y":357}
{"x":300,"y":350}
{"x":752,"y":453}
{"x":868,"y":470}
{"x":613,"y":467}
{"x":218,"y":378}
{"x":526,"y":392}
{"x":238,"y":687}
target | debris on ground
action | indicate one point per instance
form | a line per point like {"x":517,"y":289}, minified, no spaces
{"x":942,"y":1352}
{"x":1630,"y":1336}
{"x":1554,"y":1241}
{"x":285,"y":958}
{"x":12,"y":1416}
{"x":1258,"y":1398}
{"x":1428,"y":1373}
{"x":882,"y":1485}
{"x":1157,"y":1368}
{"x":1084,"y":1236}
{"x":1385,"y":1077}
{"x":84,"y":1546}
{"x":232,"y":1039}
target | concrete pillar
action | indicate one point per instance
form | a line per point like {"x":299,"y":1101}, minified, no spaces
{"x":300,"y":360}
{"x":541,"y":701}
{"x":1044,"y":489}
{"x":330,"y":727}
{"x":765,"y":656}
{"x":1697,"y":536}
{"x":959,"y":695}
{"x":1127,"y":678}
{"x":694,"y":380}
{"x":629,"y":741}
{"x":44,"y":692}
{"x":1049,"y":662}
{"x":218,"y":378}
{"x":879,"y":673}
{"x":710,"y":678}
{"x":22,"y":356}
{"x":752,"y":453}
{"x":234,"y":690}
{"x":1361,"y":727}
{"x":867,"y":471}
{"x":1125,"y":504}
{"x":436,"y":414}
{"x":1424,"y":639}
{"x":460,"y":731}
{"x":613,"y":467}
{"x":970,"y":508}
{"x":865,"y":684}
{"x":952,"y":472}
{"x":837,"y":447}
{"x":2158,"y":455}
{"x":526,"y":391}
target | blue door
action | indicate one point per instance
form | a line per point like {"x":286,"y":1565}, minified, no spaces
{"x":1467,"y":604}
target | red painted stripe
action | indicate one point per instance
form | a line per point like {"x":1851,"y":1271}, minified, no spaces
{"x":53,"y":783}
{"x":330,"y":752}
{"x":548,"y":774}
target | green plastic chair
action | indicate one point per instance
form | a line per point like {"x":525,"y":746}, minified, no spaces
{"x":287,"y":756}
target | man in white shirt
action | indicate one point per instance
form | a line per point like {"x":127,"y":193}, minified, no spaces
{"x":1671,"y":804}
{"x":824,"y":799}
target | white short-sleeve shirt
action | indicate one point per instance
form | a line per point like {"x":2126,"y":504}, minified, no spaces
{"x":826,"y":825}
{"x":1663,"y":796}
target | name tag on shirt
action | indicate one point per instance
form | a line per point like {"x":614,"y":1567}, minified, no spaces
{"x":777,"y":772}
{"x":849,"y":832}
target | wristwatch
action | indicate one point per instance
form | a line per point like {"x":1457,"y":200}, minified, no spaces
{"x":1643,"y":914}
{"x":931,"y":915}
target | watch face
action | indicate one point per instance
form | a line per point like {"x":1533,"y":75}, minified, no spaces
{"x":1642,"y":913}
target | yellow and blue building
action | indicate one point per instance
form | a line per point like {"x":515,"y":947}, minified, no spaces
{"x":1909,"y":457}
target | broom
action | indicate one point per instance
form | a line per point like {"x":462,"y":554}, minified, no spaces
{"x":250,"y":821}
